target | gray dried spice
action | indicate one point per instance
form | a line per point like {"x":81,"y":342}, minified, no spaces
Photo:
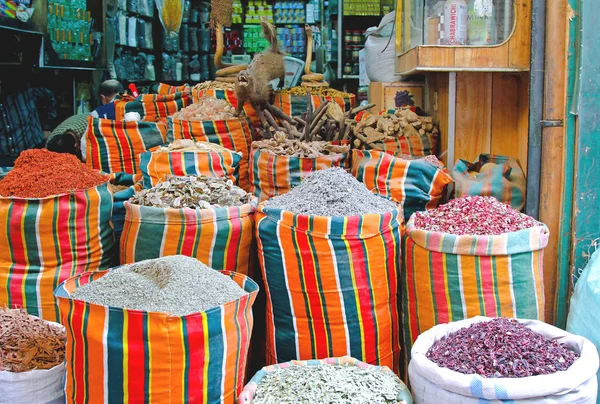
{"x":331,"y":192}
{"x":195,"y":192}
{"x":328,"y":384}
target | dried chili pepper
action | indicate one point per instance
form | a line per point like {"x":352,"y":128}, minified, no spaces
{"x":39,"y":173}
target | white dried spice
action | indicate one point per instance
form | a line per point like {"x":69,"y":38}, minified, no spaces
{"x":328,"y":384}
{"x":186,"y":145}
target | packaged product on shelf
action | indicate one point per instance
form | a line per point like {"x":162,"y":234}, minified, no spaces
{"x":149,"y":72}
{"x":148,"y":36}
{"x":163,"y":293}
{"x":132,"y":6}
{"x":481,"y":27}
{"x":193,"y":38}
{"x":194,"y":68}
{"x":131,"y":32}
{"x":456,"y":22}
{"x":170,"y":13}
{"x":184,"y":36}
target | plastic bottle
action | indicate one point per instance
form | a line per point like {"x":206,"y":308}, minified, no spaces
{"x":455,"y":22}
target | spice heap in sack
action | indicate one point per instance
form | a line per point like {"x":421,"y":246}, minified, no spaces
{"x":281,"y":145}
{"x":193,"y":191}
{"x":323,"y":91}
{"x":331,"y":192}
{"x":214,"y":85}
{"x":474,"y":216}
{"x":28,"y":342}
{"x":167,"y":285}
{"x":185,"y":145}
{"x":206,"y":109}
{"x":402,"y":123}
{"x":39,"y":173}
{"x":501,"y":348}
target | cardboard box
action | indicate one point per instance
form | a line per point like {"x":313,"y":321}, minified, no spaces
{"x":382,"y":94}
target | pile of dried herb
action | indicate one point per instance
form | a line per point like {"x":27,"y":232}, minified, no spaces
{"x":474,"y":216}
{"x":501,"y":348}
{"x":28,"y":342}
{"x":328,"y":384}
{"x":206,"y":109}
{"x":193,"y":191}
{"x":184,"y":145}
{"x":281,"y":145}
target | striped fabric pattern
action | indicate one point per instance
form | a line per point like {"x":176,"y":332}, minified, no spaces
{"x":416,"y":184}
{"x":119,"y":198}
{"x":152,"y":107}
{"x":156,"y":166}
{"x":331,"y":285}
{"x":233,"y":134}
{"x":249,"y":391}
{"x":129,"y":356}
{"x":45,"y":241}
{"x":295,"y":105}
{"x":505,"y":182}
{"x":164,"y":89}
{"x":114,"y":146}
{"x":415,"y":146}
{"x":222,"y":238}
{"x":448,"y":278}
{"x":272,"y":175}
{"x":229,"y":96}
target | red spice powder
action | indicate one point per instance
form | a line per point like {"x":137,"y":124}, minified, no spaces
{"x":39,"y":173}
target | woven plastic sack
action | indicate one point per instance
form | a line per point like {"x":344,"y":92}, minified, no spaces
{"x":431,"y":383}
{"x":233,"y":134}
{"x":164,"y":89}
{"x":249,"y":391}
{"x":48,"y":240}
{"x":295,"y":105}
{"x":331,"y":285}
{"x":416,"y":184}
{"x":583,"y":318}
{"x":229,"y":96}
{"x":272,"y":175}
{"x":114,"y":146}
{"x":448,"y":277}
{"x":152,"y":107}
{"x":222,"y":238}
{"x":158,"y":165}
{"x":505,"y":182}
{"x":115,"y":355}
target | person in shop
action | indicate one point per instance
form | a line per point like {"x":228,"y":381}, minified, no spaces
{"x":108,"y":91}
{"x":66,"y":142}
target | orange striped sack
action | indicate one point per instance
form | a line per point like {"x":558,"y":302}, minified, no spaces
{"x":331,"y":285}
{"x":233,"y":134}
{"x":48,"y":240}
{"x":295,"y":105}
{"x":158,"y":165}
{"x":152,"y":107}
{"x":115,"y":355}
{"x":229,"y":96}
{"x":448,"y":277}
{"x":415,"y":146}
{"x":164,"y":89}
{"x":272,"y":175}
{"x":114,"y":146}
{"x":222,"y":238}
{"x":416,"y":184}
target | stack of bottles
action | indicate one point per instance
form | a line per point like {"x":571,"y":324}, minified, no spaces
{"x":353,"y":43}
{"x":257,"y":9}
{"x":238,"y":12}
{"x":69,"y":26}
{"x":362,"y":7}
{"x":290,"y":12}
{"x":292,"y":40}
{"x":253,"y":39}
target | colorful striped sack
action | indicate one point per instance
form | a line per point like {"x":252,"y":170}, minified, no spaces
{"x":249,"y":391}
{"x":233,"y":134}
{"x":114,"y":146}
{"x":229,"y":96}
{"x":272,"y":175}
{"x":152,"y":107}
{"x":156,"y":166}
{"x":48,"y":240}
{"x":505,"y":182}
{"x":222,"y":238}
{"x":331,"y":285}
{"x":130,"y":356}
{"x":415,"y":146}
{"x":448,"y":278}
{"x":119,"y":198}
{"x":164,"y":89}
{"x":295,"y":105}
{"x":416,"y":184}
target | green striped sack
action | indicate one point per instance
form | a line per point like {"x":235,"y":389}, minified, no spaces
{"x":152,"y":107}
{"x":163,"y":89}
{"x":115,"y":355}
{"x":446,"y":277}
{"x":505,"y":182}
{"x":45,"y":241}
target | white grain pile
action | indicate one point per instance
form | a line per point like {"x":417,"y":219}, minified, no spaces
{"x":328,"y":384}
{"x":176,"y":284}
{"x":331,"y":192}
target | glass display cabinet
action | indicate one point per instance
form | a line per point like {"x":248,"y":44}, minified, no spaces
{"x":463,"y":35}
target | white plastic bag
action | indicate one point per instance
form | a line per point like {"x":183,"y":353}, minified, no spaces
{"x":35,"y":386}
{"x":431,"y":383}
{"x":380,"y":49}
{"x":584,"y":317}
